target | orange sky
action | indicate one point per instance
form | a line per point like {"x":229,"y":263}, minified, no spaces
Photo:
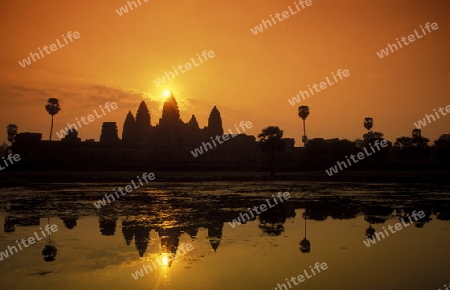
{"x":251,"y":76}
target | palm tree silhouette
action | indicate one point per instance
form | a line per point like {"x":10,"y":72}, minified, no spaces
{"x":271,"y":139}
{"x":416,"y":133}
{"x":303,"y":112}
{"x":368,"y":123}
{"x":52,"y":108}
{"x":12,"y":129}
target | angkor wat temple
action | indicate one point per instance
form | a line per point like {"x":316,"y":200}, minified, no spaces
{"x":169,"y":144}
{"x":143,"y":146}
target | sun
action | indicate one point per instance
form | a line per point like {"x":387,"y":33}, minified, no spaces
{"x":166,"y":93}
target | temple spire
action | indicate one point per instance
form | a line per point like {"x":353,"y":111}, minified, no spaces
{"x":171,"y":114}
{"x":142,"y":123}
{"x":193,"y":123}
{"x":215,"y":122}
{"x":129,"y":127}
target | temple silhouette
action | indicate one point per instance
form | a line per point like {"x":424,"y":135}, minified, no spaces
{"x":166,"y":145}
{"x":169,"y":145}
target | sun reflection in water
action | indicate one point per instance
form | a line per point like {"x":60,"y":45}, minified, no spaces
{"x":165,"y":260}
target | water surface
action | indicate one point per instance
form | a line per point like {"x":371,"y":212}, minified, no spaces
{"x":102,"y":248}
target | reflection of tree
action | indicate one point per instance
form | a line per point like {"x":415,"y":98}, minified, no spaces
{"x":305,"y":244}
{"x":370,"y":232}
{"x":272,"y":220}
{"x":49,"y":252}
{"x":375,"y":220}
{"x":442,"y":212}
{"x":344,"y":208}
{"x":336,"y":207}
{"x":420,"y":222}
{"x":9,"y":226}
{"x":70,"y":222}
{"x":377,"y":214}
{"x":317,"y":211}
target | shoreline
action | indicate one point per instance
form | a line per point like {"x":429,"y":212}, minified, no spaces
{"x":26,"y":178}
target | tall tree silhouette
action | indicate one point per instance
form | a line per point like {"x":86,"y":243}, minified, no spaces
{"x":420,"y":144}
{"x":442,"y":150}
{"x":52,"y":108}
{"x":270,"y":139}
{"x":370,"y":136}
{"x":303,"y":112}
{"x":415,"y":147}
{"x":368,"y":123}
{"x":416,"y":133}
{"x":71,"y":136}
{"x":11,"y":130}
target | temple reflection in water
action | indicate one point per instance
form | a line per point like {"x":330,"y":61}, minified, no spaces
{"x":139,"y":221}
